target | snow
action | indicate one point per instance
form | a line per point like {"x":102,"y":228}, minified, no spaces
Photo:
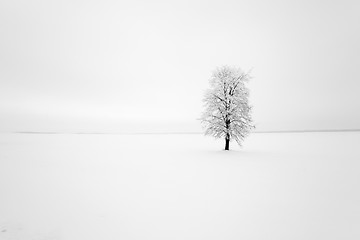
{"x":179,"y":186}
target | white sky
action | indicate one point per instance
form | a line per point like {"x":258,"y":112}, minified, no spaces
{"x":144,"y":65}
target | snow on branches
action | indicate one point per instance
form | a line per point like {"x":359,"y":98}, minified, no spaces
{"x":227,"y":112}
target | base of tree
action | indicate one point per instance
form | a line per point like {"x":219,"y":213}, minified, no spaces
{"x":227,"y":144}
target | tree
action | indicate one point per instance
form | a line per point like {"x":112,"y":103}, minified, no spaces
{"x":227,"y":112}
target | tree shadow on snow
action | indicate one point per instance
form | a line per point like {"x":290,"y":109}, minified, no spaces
{"x":238,"y":154}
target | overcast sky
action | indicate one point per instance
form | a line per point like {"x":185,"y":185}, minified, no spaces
{"x":95,"y":66}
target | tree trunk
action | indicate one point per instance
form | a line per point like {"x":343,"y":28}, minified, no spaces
{"x":227,"y":137}
{"x":227,"y":141}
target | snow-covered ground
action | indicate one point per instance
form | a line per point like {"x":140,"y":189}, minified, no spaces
{"x":278,"y":186}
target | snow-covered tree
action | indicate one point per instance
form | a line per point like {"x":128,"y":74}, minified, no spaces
{"x":227,"y":112}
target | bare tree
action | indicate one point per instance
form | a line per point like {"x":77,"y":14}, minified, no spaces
{"x":227,"y":112}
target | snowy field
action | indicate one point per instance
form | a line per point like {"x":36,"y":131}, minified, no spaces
{"x":96,"y":187}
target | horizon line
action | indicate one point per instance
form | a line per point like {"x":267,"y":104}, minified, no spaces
{"x":168,"y":133}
